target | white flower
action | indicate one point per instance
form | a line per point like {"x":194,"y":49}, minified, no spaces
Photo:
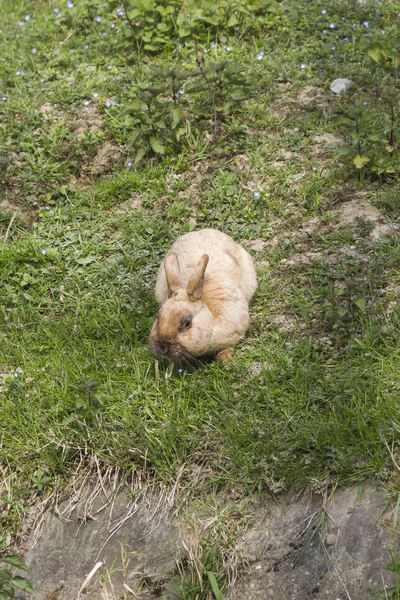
{"x":34,"y":50}
{"x":85,"y":102}
{"x":112,"y":25}
{"x":70,"y":4}
{"x":98,"y":19}
{"x":323,"y":11}
{"x":180,"y":92}
{"x":366,"y":24}
{"x":260,"y":55}
{"x":256,"y":194}
{"x":303,"y":66}
{"x":27,"y":17}
{"x":56,"y":10}
{"x":332,"y":25}
{"x":228,"y":48}
{"x":86,"y":47}
{"x":43,"y":251}
{"x":130,"y":164}
{"x":333,"y":47}
{"x":120,"y":12}
{"x":95,"y":95}
{"x":213,"y":45}
{"x":109,"y":103}
{"x":47,"y":208}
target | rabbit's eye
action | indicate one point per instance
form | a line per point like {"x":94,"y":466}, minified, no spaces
{"x":186,"y":323}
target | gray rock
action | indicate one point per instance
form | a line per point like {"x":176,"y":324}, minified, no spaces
{"x":338,"y":86}
{"x":297,"y":548}
{"x":300,"y":548}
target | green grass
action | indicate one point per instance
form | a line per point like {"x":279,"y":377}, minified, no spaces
{"x":309,"y":405}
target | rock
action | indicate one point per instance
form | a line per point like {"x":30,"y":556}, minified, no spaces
{"x":291,"y":557}
{"x":338,"y":86}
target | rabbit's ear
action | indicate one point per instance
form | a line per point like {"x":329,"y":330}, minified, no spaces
{"x":173,"y":274}
{"x":194,"y":287}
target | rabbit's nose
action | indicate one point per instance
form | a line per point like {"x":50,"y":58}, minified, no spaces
{"x":163,"y":347}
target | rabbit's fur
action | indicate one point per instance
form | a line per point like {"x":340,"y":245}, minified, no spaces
{"x":204,"y":286}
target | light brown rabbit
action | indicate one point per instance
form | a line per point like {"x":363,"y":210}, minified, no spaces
{"x":204,"y":286}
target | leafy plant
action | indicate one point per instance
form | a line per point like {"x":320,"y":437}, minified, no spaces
{"x":372,"y":135}
{"x":9,"y":582}
{"x":164,"y":109}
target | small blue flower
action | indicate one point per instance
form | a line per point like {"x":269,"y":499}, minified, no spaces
{"x":42,"y":80}
{"x":366,"y":24}
{"x":256,"y":194}
{"x":47,"y":208}
{"x":120,"y":12}
{"x":95,"y":95}
{"x":98,"y":19}
{"x":4,"y":98}
{"x":324,"y":31}
{"x":333,"y":47}
{"x":86,"y":47}
{"x":210,"y":210}
{"x":346,"y":39}
{"x":314,"y":168}
{"x":27,"y":17}
{"x":112,"y":78}
{"x":303,"y":66}
{"x":213,"y":45}
{"x":109,"y":103}
{"x":109,"y":67}
{"x":180,"y":92}
{"x":323,"y":11}
{"x":228,"y":48}
{"x":85,"y":102}
{"x":130,"y":164}
{"x":180,"y":370}
{"x":34,"y":50}
{"x":126,"y":21}
{"x":383,"y":31}
{"x":179,"y":46}
{"x":332,"y":25}
{"x":70,"y":4}
{"x":21,"y":23}
{"x":15,"y":374}
{"x":260,"y":55}
{"x":19,"y":72}
{"x":43,"y":251}
{"x":112,"y":25}
{"x":56,"y":10}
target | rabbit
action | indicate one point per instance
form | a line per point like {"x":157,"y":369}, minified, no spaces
{"x":204,"y":287}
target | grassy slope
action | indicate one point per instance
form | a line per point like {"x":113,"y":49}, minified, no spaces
{"x":307,"y":405}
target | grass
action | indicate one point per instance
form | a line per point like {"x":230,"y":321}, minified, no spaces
{"x":311,"y":397}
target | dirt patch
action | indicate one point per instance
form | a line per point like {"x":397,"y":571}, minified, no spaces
{"x":49,"y":109}
{"x":328,"y":140}
{"x":257,"y":244}
{"x":107,"y":156}
{"x":309,"y":95}
{"x":88,"y":120}
{"x":284,"y":322}
{"x":361,"y":209}
{"x":329,"y":256}
{"x":27,"y":217}
{"x":134,"y":204}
